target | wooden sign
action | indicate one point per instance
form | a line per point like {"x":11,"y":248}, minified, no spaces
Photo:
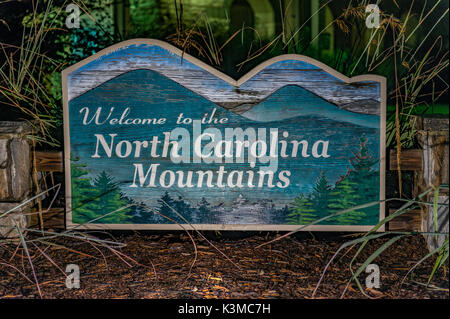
{"x":155,"y":139}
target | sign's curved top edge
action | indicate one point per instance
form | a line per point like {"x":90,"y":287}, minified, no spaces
{"x":257,"y":69}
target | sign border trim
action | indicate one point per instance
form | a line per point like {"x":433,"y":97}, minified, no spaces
{"x":253,"y":227}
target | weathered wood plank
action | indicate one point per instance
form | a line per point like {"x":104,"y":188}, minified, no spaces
{"x":410,"y":160}
{"x":409,"y":221}
{"x":49,"y":161}
{"x":360,"y":97}
{"x":432,"y":123}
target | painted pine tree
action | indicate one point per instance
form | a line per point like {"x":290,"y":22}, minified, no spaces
{"x":85,"y":200}
{"x":184,"y":209}
{"x":166,"y":206}
{"x":343,"y":196}
{"x":111,"y":199}
{"x":142,"y":215}
{"x":320,"y":195}
{"x":204,"y":210}
{"x":363,"y":161}
{"x":301,"y":212}
{"x":365,"y":175}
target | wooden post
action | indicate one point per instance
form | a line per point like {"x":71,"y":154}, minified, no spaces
{"x":410,"y":160}
{"x":432,"y":134}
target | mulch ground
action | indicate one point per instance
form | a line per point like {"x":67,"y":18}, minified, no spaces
{"x":168,"y":265}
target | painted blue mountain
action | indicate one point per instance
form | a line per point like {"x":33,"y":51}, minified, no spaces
{"x":293,"y":101}
{"x":217,"y":87}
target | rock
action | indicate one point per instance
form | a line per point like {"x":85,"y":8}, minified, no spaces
{"x":4,"y":153}
{"x":15,"y":175}
{"x":4,"y":184}
{"x":4,"y":171}
{"x":7,"y":223}
{"x":8,"y":128}
{"x":15,"y":161}
{"x":20,"y":169}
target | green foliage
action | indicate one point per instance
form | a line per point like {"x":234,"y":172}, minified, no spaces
{"x":94,"y":199}
{"x":359,"y":186}
{"x":84,"y":197}
{"x":320,"y":195}
{"x":146,"y":18}
{"x":111,"y":199}
{"x":441,"y":252}
{"x":301,"y":212}
{"x":363,"y":174}
{"x":342,"y":197}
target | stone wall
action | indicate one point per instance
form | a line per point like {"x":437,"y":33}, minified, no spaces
{"x":15,"y":175}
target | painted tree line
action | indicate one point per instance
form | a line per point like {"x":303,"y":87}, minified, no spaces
{"x":359,"y":186}
{"x":99,"y":199}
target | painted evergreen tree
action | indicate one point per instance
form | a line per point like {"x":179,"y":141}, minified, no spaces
{"x":182,"y":206}
{"x":184,"y":209}
{"x":343,"y":196}
{"x":320,"y":195}
{"x":85,"y":199}
{"x":204,"y":210}
{"x":363,"y":160}
{"x":301,"y":212}
{"x":364,"y":174}
{"x":140,"y":214}
{"x":281,"y":215}
{"x":166,"y":205}
{"x":111,"y":199}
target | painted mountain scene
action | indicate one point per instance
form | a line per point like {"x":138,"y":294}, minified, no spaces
{"x":156,"y":140}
